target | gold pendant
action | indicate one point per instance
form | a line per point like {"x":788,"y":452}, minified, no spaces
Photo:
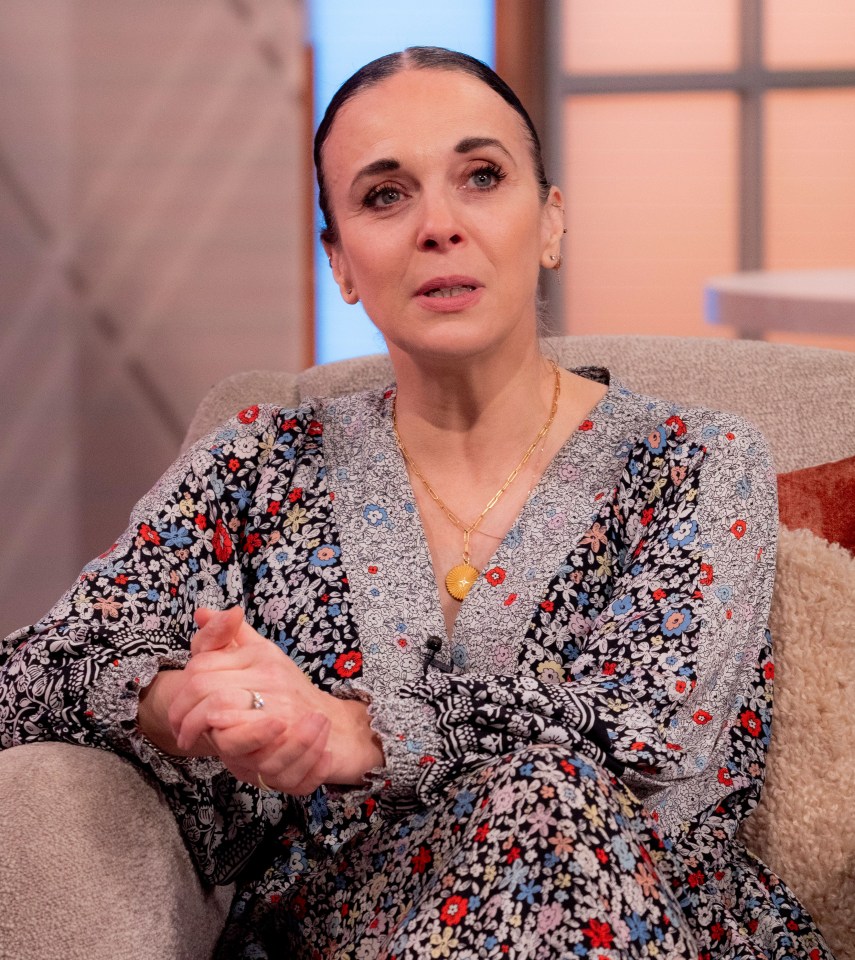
{"x":460,"y":579}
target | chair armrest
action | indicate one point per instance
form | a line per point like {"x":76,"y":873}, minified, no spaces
{"x":92,"y":864}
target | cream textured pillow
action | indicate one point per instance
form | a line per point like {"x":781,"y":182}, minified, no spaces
{"x":803,"y":829}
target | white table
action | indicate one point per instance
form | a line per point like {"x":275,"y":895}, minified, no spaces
{"x":759,"y":301}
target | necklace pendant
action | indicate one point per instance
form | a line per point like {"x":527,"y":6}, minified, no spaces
{"x":460,"y":580}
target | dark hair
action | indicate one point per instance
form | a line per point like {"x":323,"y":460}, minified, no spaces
{"x":416,"y":58}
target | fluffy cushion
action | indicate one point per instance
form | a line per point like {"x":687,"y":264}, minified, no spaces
{"x":803,"y":827}
{"x":821,"y":499}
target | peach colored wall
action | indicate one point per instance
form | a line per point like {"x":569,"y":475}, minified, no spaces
{"x":651,"y":180}
{"x":152,"y":176}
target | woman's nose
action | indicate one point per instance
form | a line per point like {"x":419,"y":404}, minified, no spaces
{"x":440,"y":227}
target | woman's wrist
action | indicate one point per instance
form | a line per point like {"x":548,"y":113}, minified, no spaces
{"x":356,"y":747}
{"x":153,"y":715}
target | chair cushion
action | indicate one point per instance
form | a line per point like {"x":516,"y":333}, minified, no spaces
{"x":802,"y":828}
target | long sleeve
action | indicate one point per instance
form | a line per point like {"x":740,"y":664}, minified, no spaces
{"x":640,"y":651}
{"x":75,"y":676}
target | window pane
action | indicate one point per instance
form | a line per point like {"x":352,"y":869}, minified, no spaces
{"x":623,"y":36}
{"x":651,"y":210}
{"x":810,"y":179}
{"x":816,"y":34}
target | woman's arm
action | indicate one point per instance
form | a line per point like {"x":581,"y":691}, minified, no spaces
{"x":126,"y":627}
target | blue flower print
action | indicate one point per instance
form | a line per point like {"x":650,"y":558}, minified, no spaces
{"x":375,"y":514}
{"x":621,"y":606}
{"x":683,"y":533}
{"x":743,"y":488}
{"x":676,"y":622}
{"x":656,"y":439}
{"x":325,"y":555}
{"x":177,"y":537}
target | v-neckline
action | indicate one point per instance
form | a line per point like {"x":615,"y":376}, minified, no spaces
{"x":387,"y":557}
{"x":543,"y":481}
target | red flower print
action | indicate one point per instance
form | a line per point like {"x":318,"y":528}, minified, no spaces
{"x":454,"y":910}
{"x":696,"y":878}
{"x":252,"y":542}
{"x":249,"y":415}
{"x":495,"y":576}
{"x":586,"y":425}
{"x":769,"y":671}
{"x":600,"y":934}
{"x":509,"y":599}
{"x":707,"y":576}
{"x":609,"y":668}
{"x":677,"y":424}
{"x":295,"y":494}
{"x":289,"y":424}
{"x":482,"y":832}
{"x":548,"y":606}
{"x":738,"y":529}
{"x":200,"y":521}
{"x":234,"y":464}
{"x":273,"y":507}
{"x":513,"y":854}
{"x":348,"y":663}
{"x":724,"y":777}
{"x":372,"y":569}
{"x":315,"y":429}
{"x":701,"y":717}
{"x":601,"y":855}
{"x":152,"y":536}
{"x":659,"y":594}
{"x":751,"y":722}
{"x":646,"y":516}
{"x":222,"y":542}
{"x":421,"y":860}
{"x":121,"y":579}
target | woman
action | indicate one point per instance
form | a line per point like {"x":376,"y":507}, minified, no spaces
{"x":481,"y":660}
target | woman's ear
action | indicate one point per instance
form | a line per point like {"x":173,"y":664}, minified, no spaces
{"x":553,"y":229}
{"x":338,"y":264}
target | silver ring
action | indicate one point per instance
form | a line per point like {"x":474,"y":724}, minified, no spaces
{"x":262,"y":785}
{"x":257,"y":700}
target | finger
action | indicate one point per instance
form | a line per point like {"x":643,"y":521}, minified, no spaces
{"x":217,"y":629}
{"x":290,"y":761}
{"x":245,"y":739}
{"x":188,"y":726}
{"x":318,"y":775}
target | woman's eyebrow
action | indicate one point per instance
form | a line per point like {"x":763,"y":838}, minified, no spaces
{"x":384,"y":165}
{"x":478,"y":143}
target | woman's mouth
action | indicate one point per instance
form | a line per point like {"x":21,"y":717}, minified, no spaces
{"x":455,"y":291}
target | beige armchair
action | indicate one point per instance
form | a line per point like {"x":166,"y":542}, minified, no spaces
{"x":91,"y":862}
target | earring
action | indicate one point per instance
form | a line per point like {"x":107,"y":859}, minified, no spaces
{"x":556,"y":261}
{"x":349,"y":291}
{"x":329,"y":260}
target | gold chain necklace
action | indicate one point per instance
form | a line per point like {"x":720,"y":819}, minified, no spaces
{"x":461,"y":578}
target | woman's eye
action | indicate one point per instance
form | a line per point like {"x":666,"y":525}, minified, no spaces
{"x":486,"y":178}
{"x":382,"y":197}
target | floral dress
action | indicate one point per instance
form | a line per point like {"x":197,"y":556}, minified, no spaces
{"x":564,"y":776}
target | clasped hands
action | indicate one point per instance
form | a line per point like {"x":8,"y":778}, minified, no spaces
{"x":301,"y":738}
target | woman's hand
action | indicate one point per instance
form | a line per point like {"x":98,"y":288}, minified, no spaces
{"x":301,"y":738}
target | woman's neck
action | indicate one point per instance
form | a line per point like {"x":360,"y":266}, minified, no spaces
{"x":458,"y":411}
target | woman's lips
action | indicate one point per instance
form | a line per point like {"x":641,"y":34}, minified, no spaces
{"x":447,"y":294}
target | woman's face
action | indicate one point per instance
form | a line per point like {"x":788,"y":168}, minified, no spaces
{"x":441,"y":230}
